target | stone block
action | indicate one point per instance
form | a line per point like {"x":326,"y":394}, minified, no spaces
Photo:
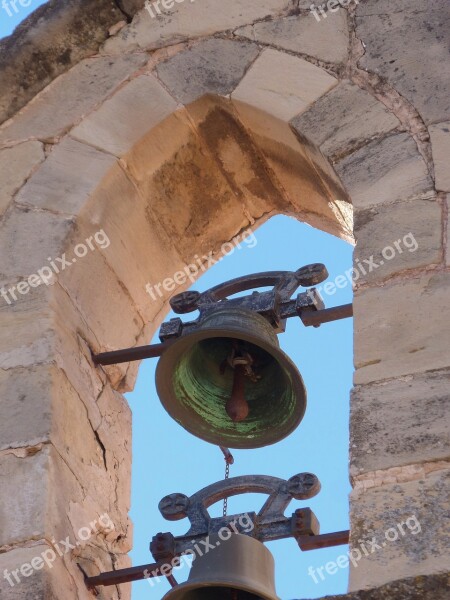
{"x":326,"y":40}
{"x":70,"y":97}
{"x":405,"y":235}
{"x":27,"y":333}
{"x":27,"y":239}
{"x":199,"y":222}
{"x":130,"y":227}
{"x":283,"y":85}
{"x":25,"y":401}
{"x":399,"y":422}
{"x":415,"y":69}
{"x":126,"y":117}
{"x":344,"y":119}
{"x":16,"y":165}
{"x":188,"y":20}
{"x":423,"y":547}
{"x":109,"y":304}
{"x":447,"y":241}
{"x":23,"y":515}
{"x":394,"y":332}
{"x":440,"y":144}
{"x":425,"y":587}
{"x":215,"y":66}
{"x":57,"y":185}
{"x":384,"y":171}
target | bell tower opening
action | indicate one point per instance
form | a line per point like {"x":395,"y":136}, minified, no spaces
{"x":323,"y":357}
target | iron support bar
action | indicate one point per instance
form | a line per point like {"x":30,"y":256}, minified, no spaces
{"x":308,"y":317}
{"x":127,"y":575}
{"x":306,"y":542}
{"x":325,"y":540}
{"x":316,"y":318}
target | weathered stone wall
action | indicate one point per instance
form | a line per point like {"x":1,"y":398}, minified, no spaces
{"x":173,"y":135}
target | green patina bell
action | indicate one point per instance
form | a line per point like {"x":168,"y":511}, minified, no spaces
{"x":229,"y":383}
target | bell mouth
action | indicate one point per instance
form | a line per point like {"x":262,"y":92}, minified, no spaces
{"x":218,"y":593}
{"x":194,"y":381}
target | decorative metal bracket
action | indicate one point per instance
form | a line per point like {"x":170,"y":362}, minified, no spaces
{"x":267,"y":525}
{"x":275,"y":305}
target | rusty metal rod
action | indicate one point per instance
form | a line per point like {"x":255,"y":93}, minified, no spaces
{"x":325,"y":540}
{"x":127,"y":575}
{"x":316,"y":318}
{"x":129,"y":354}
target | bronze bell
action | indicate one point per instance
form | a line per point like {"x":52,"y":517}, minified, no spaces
{"x":229,"y":383}
{"x":239,"y":568}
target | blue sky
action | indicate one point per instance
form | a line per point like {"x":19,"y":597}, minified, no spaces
{"x":10,"y":17}
{"x":167,"y":459}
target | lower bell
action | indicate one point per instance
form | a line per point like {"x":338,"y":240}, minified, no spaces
{"x":239,"y":568}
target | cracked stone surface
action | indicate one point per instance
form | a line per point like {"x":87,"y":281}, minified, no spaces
{"x":70,"y":97}
{"x":380,"y":440}
{"x":16,"y":165}
{"x":190,"y":20}
{"x":57,"y":185}
{"x":440,"y":143}
{"x":385,"y":170}
{"x":212,"y":67}
{"x":282,"y":85}
{"x":326,"y":40}
{"x":418,"y":69}
{"x":385,"y":343}
{"x":123,"y":119}
{"x":425,"y":587}
{"x":408,"y":236}
{"x":344,"y":119}
{"x":422,"y":550}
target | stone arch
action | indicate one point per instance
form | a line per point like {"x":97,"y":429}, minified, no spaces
{"x":255,"y":120}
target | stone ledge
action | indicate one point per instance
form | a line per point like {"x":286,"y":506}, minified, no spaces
{"x":425,"y":587}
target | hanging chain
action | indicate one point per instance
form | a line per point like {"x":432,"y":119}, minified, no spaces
{"x":229,"y":460}
{"x":225,"y":500}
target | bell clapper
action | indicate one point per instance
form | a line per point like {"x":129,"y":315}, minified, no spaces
{"x":241,"y":362}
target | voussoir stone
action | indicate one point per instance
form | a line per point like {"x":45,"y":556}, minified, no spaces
{"x":326,"y":40}
{"x":416,"y":66}
{"x":16,"y":164}
{"x":283,"y":85}
{"x":215,"y":66}
{"x":28,"y":238}
{"x":394,"y":339}
{"x":381,"y":440}
{"x":57,"y":184}
{"x":344,"y":119}
{"x":419,"y":508}
{"x":385,"y":170}
{"x":407,"y":235}
{"x":71,"y":96}
{"x":440,"y":144}
{"x":123,"y":119}
{"x":187,"y":20}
